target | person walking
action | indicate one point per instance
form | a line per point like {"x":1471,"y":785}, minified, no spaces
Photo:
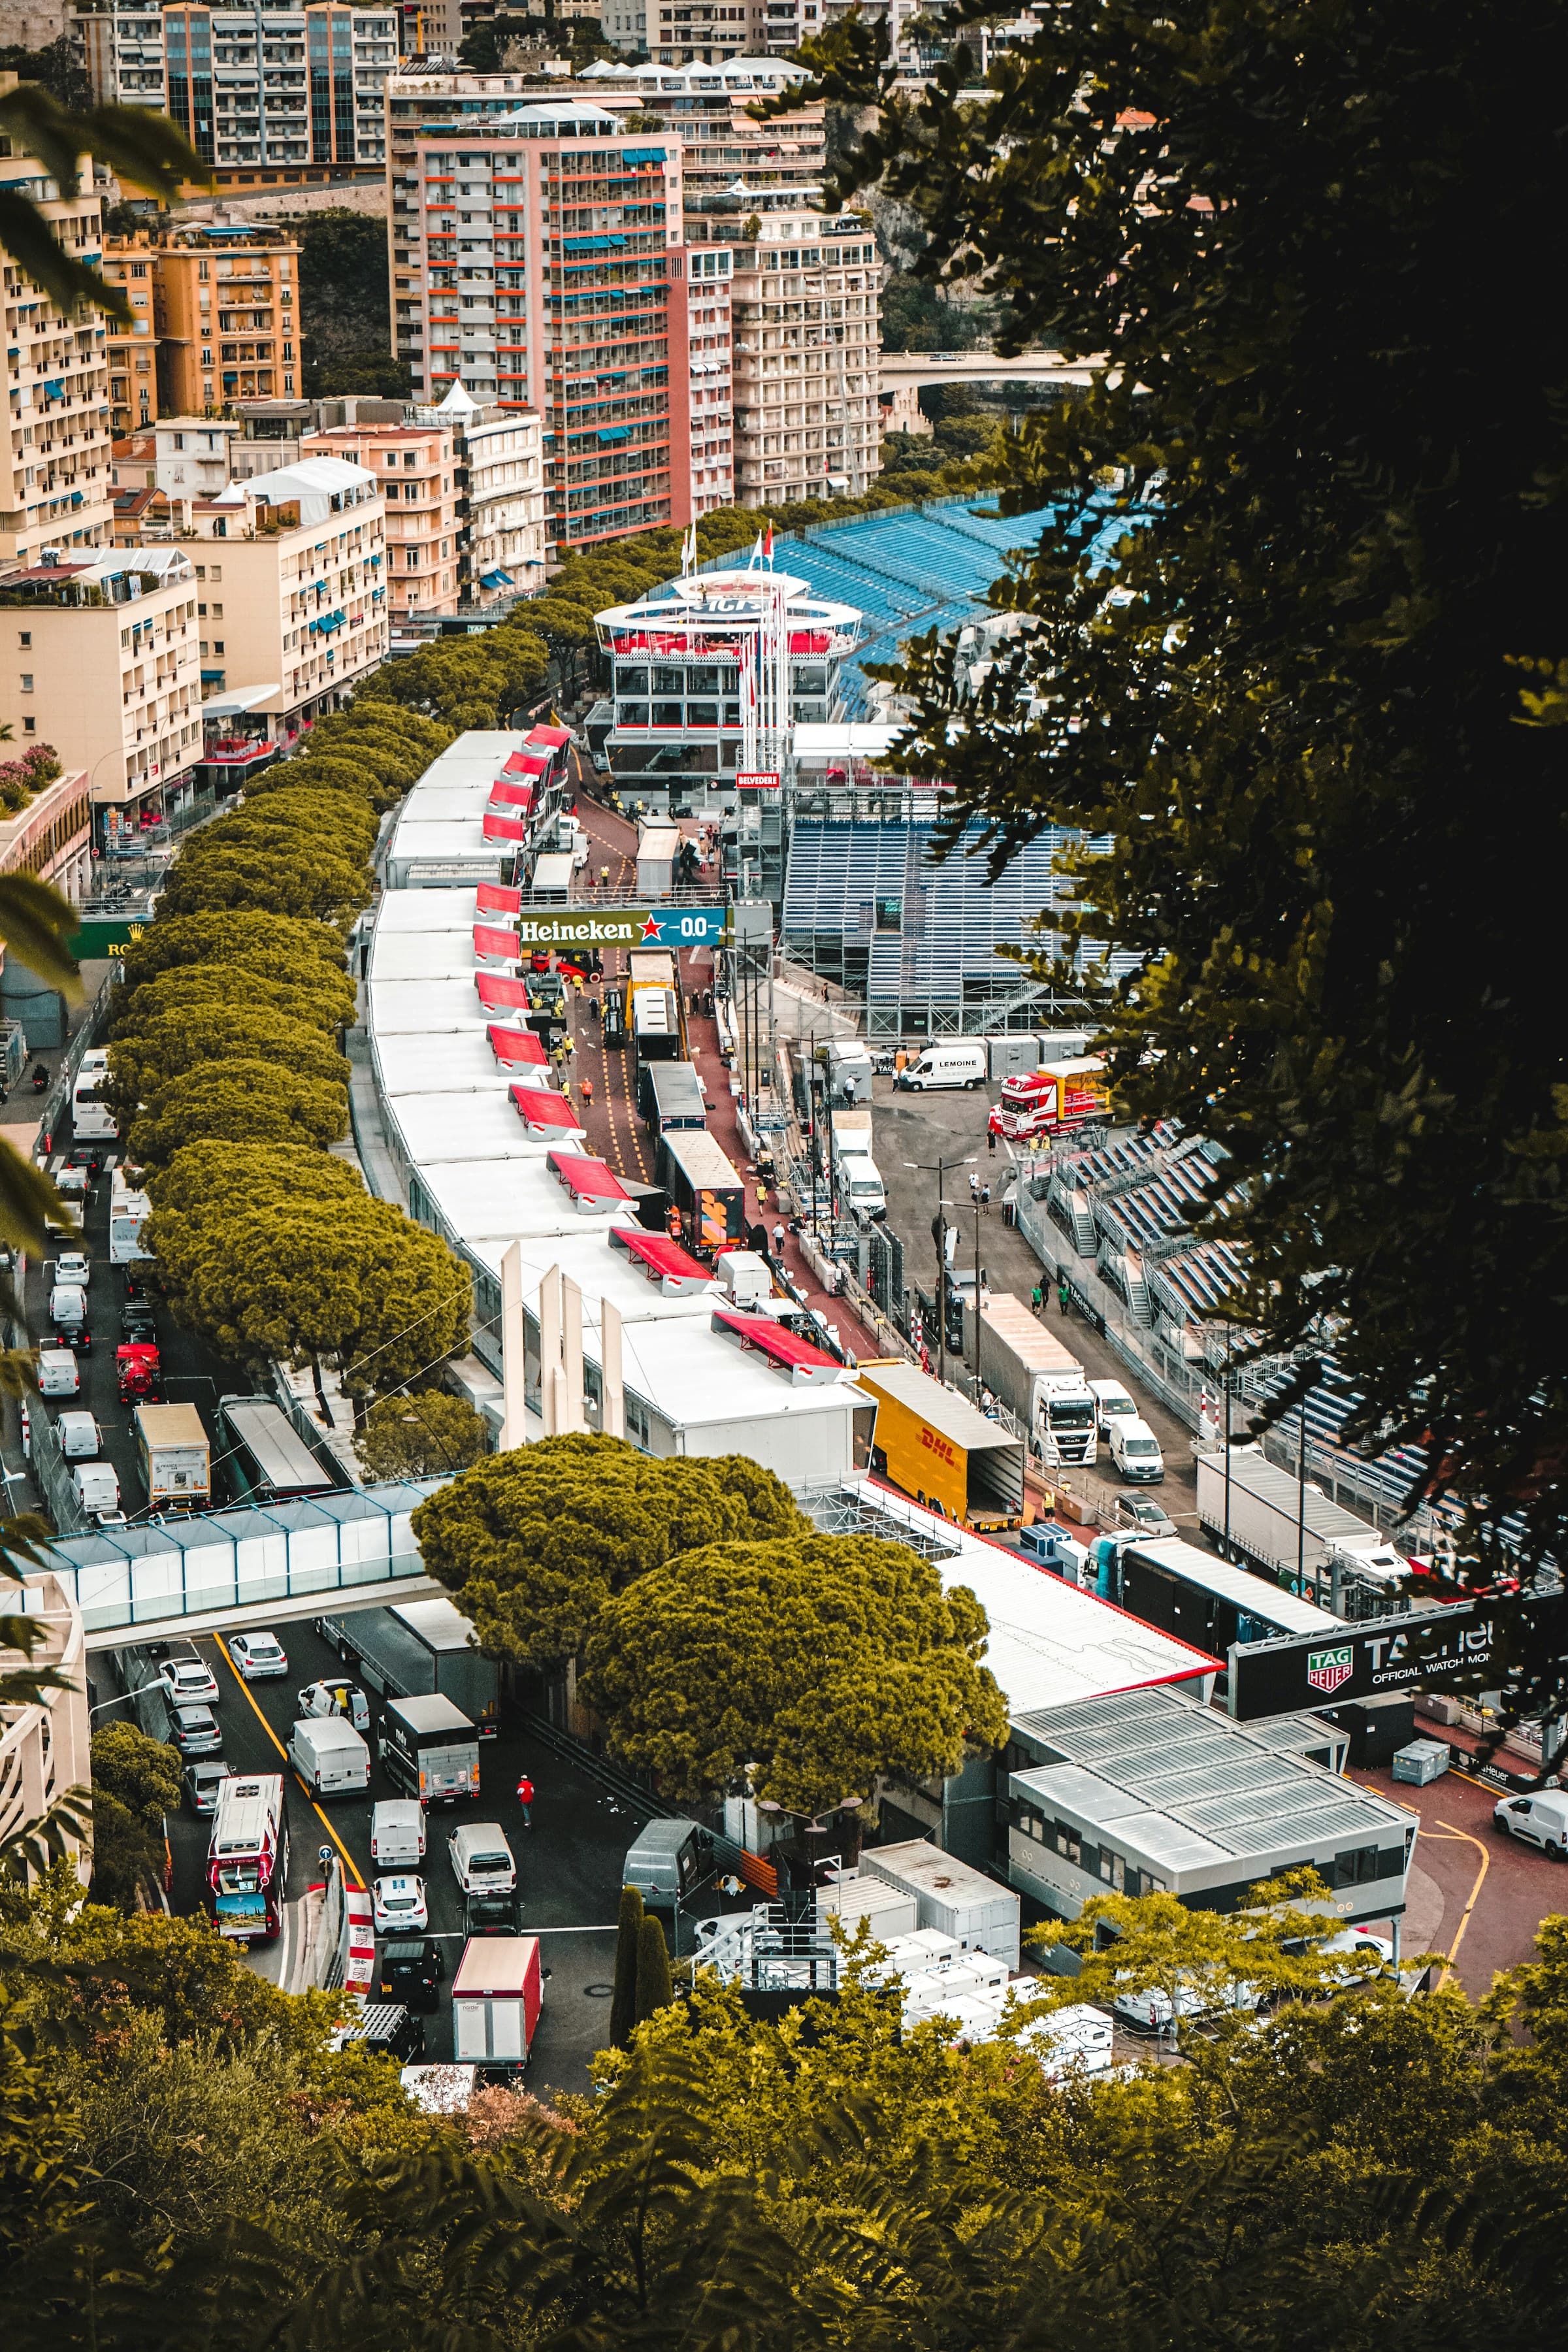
{"x":779,"y":1242}
{"x":973,"y":1189}
{"x":1037,"y":1299}
{"x":985,"y":1198}
{"x":586,"y":1089}
{"x":1062,"y":1293}
{"x":604,"y":877}
{"x":990,"y":1137}
{"x":525,"y":1798}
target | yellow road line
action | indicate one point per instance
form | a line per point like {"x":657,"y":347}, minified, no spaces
{"x":350,"y":1866}
{"x":1464,"y":1837}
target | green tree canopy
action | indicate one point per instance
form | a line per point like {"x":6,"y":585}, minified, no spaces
{"x":421,"y":1433}
{"x":317,"y":995}
{"x":279,"y":946}
{"x":349,"y":773}
{"x":331,"y":890}
{"x":802,"y":1668}
{"x":142,"y":1773}
{"x":350,"y":1281}
{"x":1333,"y":656}
{"x":535,"y":1543}
{"x":183,"y":1040}
{"x":208,"y":1183}
{"x":303,"y":808}
{"x":240,"y":1100}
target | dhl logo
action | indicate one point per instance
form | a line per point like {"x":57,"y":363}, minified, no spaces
{"x":939,"y":1446}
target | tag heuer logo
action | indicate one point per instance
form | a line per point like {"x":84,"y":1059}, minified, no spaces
{"x":1327,"y":1669}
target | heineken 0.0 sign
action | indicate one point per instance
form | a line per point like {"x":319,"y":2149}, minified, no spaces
{"x":623,"y":927}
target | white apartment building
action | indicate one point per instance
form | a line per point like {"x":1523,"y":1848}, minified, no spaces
{"x":99,"y":655}
{"x":807,"y":338}
{"x":55,"y":486}
{"x":290,"y":572}
{"x":500,"y":469}
{"x":708,"y":328}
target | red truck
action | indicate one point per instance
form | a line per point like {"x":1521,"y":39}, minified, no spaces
{"x":141,"y":1372}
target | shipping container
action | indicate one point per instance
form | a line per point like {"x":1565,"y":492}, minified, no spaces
{"x":669,"y":1095}
{"x":1037,"y":1379}
{"x":173,"y":1457}
{"x":934,"y":1447}
{"x":497,"y":1994}
{"x":265,"y":1460}
{"x":708,"y":1195}
{"x":430,"y":1749}
{"x":416,"y":1649}
{"x":1299,"y":1538}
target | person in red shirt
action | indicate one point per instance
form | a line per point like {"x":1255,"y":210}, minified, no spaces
{"x":525,"y":1798}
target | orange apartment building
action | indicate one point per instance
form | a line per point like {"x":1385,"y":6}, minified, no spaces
{"x":416,"y":474}
{"x":226,"y":317}
{"x":130,"y":263}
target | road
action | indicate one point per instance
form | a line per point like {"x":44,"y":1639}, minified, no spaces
{"x":570,"y":1863}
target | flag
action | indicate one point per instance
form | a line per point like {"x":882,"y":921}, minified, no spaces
{"x":755,"y":556}
{"x":767,"y":545}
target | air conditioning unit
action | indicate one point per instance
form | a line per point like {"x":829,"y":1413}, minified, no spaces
{"x":50,"y":555}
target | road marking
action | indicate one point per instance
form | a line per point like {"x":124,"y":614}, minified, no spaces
{"x":350,"y":1866}
{"x":1463,"y":1837}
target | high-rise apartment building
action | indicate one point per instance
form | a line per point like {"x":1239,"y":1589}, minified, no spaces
{"x":130,"y":264}
{"x":414,"y":469}
{"x":551,"y":275}
{"x":499,"y":472}
{"x":227,"y":316}
{"x":707,"y":343}
{"x":807,"y":337}
{"x":55,"y":486}
{"x":267,"y":95}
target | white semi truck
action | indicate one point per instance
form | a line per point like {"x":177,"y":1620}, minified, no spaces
{"x":1298,"y":1537}
{"x":1039,"y":1380}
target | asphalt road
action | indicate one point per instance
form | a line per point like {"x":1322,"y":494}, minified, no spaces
{"x":570,"y":1863}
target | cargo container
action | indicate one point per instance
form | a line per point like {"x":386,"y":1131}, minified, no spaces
{"x":265,"y":1458}
{"x":1297,"y":1536}
{"x":1038,"y":1379}
{"x":128,"y":1210}
{"x":851,"y":1132}
{"x":416,"y":1649}
{"x":978,"y":1912}
{"x":497,"y":1994}
{"x":656,"y":1025}
{"x":1181,"y":1590}
{"x":173,"y":1457}
{"x":669,"y":1094}
{"x":430,"y":1749}
{"x":936,"y":1448}
{"x":707,"y":1194}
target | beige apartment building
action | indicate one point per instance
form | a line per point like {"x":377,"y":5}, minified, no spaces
{"x":290,"y":587}
{"x":499,"y":473}
{"x":54,"y":488}
{"x":99,"y":655}
{"x":807,"y":334}
{"x":415,"y":471}
{"x":225,"y":317}
{"x":130,"y":264}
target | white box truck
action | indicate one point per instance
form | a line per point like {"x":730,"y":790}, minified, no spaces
{"x":174,"y":1456}
{"x":851,"y":1132}
{"x":497,"y":1994}
{"x":329,"y":1756}
{"x":1274,"y":1521}
{"x":1039,"y":1380}
{"x":978,"y":1912}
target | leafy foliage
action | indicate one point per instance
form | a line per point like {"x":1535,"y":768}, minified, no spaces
{"x":1295,"y":235}
{"x":421,"y":1435}
{"x":344,"y":315}
{"x":142,"y":148}
{"x":535,"y":1543}
{"x":805,"y":1668}
{"x":241,"y":1099}
{"x":178,"y":1042}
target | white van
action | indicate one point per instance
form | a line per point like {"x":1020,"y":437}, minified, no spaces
{"x":482,"y":1862}
{"x":945,"y":1065}
{"x":397,"y":1833}
{"x":97,"y":1487}
{"x":1111,"y":1403}
{"x":1135,"y":1450}
{"x":77,"y":1433}
{"x":1541,"y":1820}
{"x":59,"y":1372}
{"x":68,"y":1308}
{"x":860,"y":1189}
{"x":329,"y":1756}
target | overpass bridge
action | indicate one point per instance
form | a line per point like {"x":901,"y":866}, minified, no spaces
{"x":908,"y":371}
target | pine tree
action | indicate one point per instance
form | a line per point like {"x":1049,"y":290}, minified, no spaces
{"x":624,"y":2003}
{"x":653,"y":1988}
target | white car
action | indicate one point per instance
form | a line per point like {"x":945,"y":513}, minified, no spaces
{"x":73,"y":1265}
{"x":1358,"y":1956}
{"x":188,"y":1681}
{"x":257,"y":1656}
{"x":399,"y":1905}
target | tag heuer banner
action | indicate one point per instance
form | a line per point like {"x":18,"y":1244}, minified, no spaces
{"x":1464,"y":1647}
{"x":623,"y":927}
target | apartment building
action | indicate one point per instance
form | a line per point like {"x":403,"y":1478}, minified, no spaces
{"x":414,"y":469}
{"x":227,"y":317}
{"x":500,"y":472}
{"x":552,"y":275}
{"x":266,"y":95}
{"x":99,"y":655}
{"x":55,"y":486}
{"x":807,"y":338}
{"x":707,"y":343}
{"x":290,"y":586}
{"x":129,"y":263}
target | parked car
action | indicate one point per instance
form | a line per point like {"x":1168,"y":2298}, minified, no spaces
{"x":202,"y":1778}
{"x":73,"y":1265}
{"x":1150,"y":2011}
{"x":399,"y":1905}
{"x":1111,"y":1403}
{"x":194,"y":1730}
{"x":186,"y":1678}
{"x":138,"y":1324}
{"x":1541,"y":1820}
{"x":1144,"y":1518}
{"x":336,"y":1694}
{"x":257,"y":1656}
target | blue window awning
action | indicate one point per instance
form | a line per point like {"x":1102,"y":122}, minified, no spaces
{"x":643,"y":155}
{"x":615,"y":433}
{"x":496,"y":580}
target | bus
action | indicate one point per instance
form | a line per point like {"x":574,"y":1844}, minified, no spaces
{"x":91,"y":1118}
{"x":266,"y":1458}
{"x":247,"y":1858}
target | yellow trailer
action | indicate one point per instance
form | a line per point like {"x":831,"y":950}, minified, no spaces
{"x":940,"y":1451}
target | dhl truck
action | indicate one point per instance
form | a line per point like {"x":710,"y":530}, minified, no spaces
{"x":940,"y":1451}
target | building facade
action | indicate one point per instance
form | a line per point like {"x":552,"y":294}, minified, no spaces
{"x":55,"y":486}
{"x":807,"y":337}
{"x":130,"y":263}
{"x":708,"y":363}
{"x":227,"y":317}
{"x":414,"y":469}
{"x":102,"y":660}
{"x":500,"y":472}
{"x":549,"y":255}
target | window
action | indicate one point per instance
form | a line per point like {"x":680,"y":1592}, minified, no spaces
{"x":29,"y":725}
{"x":26,"y":637}
{"x":26,"y":681}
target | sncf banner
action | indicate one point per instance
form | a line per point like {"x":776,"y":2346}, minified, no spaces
{"x":624,"y":927}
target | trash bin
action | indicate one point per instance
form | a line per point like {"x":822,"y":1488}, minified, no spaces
{"x":1422,"y":1760}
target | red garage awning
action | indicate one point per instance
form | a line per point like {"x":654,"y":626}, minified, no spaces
{"x":517,"y":1049}
{"x":518,"y":796}
{"x":500,"y":994}
{"x":543,"y":1112}
{"x":493,"y":899}
{"x":503,"y":828}
{"x":677,"y":1272}
{"x":495,"y":944}
{"x":591,"y":1184}
{"x":798,"y":1357}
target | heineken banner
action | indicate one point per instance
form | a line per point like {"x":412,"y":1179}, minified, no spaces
{"x":1463,"y":1648}
{"x":623,"y":927}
